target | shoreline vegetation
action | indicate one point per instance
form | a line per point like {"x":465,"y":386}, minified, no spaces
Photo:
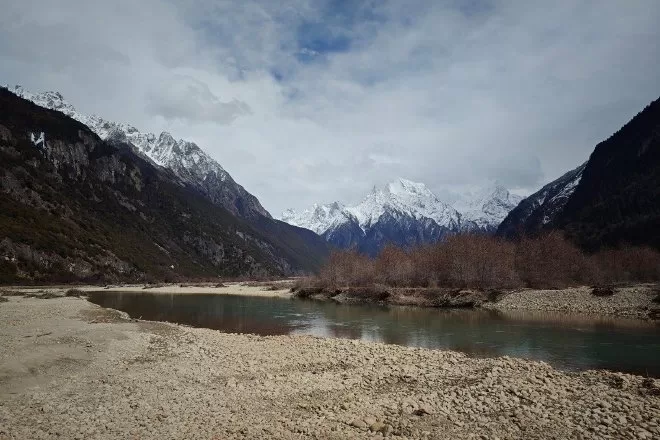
{"x":543,"y":273}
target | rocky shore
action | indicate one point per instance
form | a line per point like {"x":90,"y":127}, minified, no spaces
{"x":70,"y":369}
{"x":639,"y":301}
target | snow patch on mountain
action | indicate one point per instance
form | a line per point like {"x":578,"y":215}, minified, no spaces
{"x":38,"y":140}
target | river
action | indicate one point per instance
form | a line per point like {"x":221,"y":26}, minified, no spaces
{"x":569,"y":342}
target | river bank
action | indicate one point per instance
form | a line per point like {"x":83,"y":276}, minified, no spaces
{"x":640,"y":301}
{"x":269,"y":289}
{"x":70,"y":369}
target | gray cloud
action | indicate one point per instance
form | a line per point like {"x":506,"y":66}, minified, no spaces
{"x":518,"y":91}
{"x":189,"y":99}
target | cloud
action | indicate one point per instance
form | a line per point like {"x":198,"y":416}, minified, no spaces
{"x":187,"y":98}
{"x":319,"y":100}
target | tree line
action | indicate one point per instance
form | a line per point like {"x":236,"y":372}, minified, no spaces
{"x":480,"y":261}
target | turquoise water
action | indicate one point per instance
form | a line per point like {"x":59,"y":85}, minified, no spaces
{"x":571,"y":342}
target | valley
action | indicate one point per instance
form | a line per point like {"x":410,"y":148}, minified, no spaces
{"x":329,"y":220}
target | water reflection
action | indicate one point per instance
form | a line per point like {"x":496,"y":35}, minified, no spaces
{"x":565,"y":340}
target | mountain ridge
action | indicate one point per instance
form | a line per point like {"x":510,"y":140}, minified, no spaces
{"x":539,"y":210}
{"x":403,"y":212}
{"x":186,"y":159}
{"x":611,"y":200}
{"x":75,"y":207}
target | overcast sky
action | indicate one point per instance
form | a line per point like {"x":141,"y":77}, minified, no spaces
{"x":307,"y":101}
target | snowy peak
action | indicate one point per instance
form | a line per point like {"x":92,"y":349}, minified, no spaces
{"x":320,"y":218}
{"x":413,"y":207}
{"x":406,"y":187}
{"x":404,"y":197}
{"x":186,"y":159}
{"x":403,"y":213}
{"x":50,"y":100}
{"x":488,"y":206}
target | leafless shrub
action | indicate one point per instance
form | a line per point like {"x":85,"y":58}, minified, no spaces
{"x":484,"y":262}
{"x":552,"y":261}
{"x":347,"y":268}
{"x":74,"y":292}
{"x":481,"y":261}
{"x":629,"y":264}
{"x":307,"y":283}
{"x":656,"y":299}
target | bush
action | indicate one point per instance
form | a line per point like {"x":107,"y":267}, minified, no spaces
{"x":481,"y":261}
{"x":306,"y":283}
{"x":74,"y":292}
{"x":602,"y":291}
{"x":629,"y":264}
{"x":552,"y":261}
{"x":657,"y":297}
{"x":347,"y":268}
{"x":485,"y":262}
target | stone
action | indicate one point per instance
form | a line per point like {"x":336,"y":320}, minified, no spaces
{"x":424,"y":409}
{"x":358,"y":424}
{"x":376,"y":427}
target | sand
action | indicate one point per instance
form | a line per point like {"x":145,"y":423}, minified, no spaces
{"x":72,"y":370}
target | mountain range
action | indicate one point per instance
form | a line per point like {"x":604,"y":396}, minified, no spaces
{"x":78,"y":207}
{"x":404,"y":213}
{"x":86,"y":199}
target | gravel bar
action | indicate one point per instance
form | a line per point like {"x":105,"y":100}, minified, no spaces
{"x":72,"y":370}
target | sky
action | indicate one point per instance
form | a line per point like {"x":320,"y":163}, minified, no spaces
{"x":306,"y":101}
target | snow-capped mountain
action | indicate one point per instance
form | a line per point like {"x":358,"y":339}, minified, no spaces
{"x":486,"y":207}
{"x":408,"y":198}
{"x":542,"y":207}
{"x":405,"y":213}
{"x":320,"y":218}
{"x":186,"y":159}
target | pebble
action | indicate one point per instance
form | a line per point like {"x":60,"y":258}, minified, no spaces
{"x":200,"y":383}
